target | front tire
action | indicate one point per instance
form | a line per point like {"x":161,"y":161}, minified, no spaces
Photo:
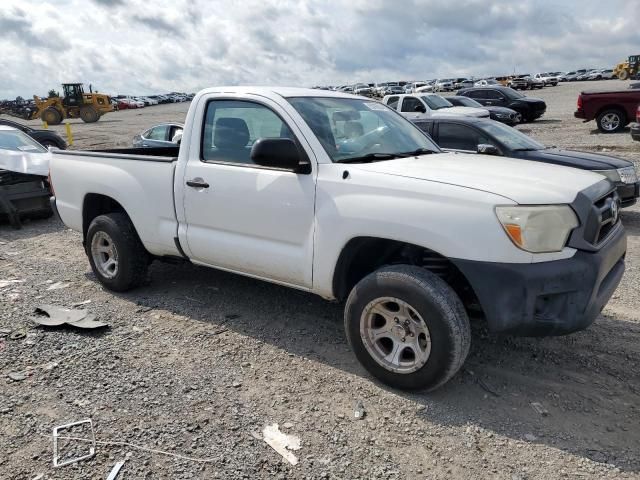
{"x":116,"y":254}
{"x":407,"y":327}
{"x":88,"y":114}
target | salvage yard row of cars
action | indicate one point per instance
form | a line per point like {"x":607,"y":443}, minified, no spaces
{"x":476,"y":231}
{"x":518,"y":82}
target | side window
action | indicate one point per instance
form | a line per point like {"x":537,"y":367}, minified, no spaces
{"x":475,"y":94}
{"x":459,"y":137}
{"x":158,"y":133}
{"x":174,"y":131}
{"x":424,"y":126}
{"x":231,"y":127}
{"x":409,"y":104}
{"x":393,"y":102}
{"x":493,"y":95}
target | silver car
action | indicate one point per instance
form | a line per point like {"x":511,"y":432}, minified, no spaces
{"x":158,"y":136}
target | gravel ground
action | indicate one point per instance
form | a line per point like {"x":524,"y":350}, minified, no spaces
{"x":198,"y":361}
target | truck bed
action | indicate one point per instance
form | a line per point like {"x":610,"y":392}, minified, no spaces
{"x":141,"y":180}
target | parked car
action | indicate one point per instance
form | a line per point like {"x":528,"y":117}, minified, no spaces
{"x":46,"y":138}
{"x":486,"y":82}
{"x":611,"y":110}
{"x":24,"y":166}
{"x":422,"y":105}
{"x":546,"y":78}
{"x":363,"y":89}
{"x":443,"y":85}
{"x":584,"y":76}
{"x":461,"y":82}
{"x":602,"y":74}
{"x":635,"y":127}
{"x":524,"y":82}
{"x":500,"y":114}
{"x":163,"y":135}
{"x":529,"y":108}
{"x":356,"y":205}
{"x":477,"y":135}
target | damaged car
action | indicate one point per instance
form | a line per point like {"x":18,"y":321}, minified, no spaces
{"x":24,"y":167}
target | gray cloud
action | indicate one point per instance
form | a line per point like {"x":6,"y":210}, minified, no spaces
{"x":134,"y":46}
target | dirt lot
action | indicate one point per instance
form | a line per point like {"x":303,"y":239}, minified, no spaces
{"x":197,"y":362}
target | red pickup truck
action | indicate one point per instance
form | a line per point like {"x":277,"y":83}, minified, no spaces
{"x":612,"y":110}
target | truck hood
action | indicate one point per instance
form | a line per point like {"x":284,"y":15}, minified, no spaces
{"x":458,"y":111}
{"x":523,"y":182}
{"x":584,"y":160}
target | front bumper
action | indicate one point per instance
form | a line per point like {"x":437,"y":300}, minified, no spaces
{"x":549,"y":298}
{"x":635,"y":131}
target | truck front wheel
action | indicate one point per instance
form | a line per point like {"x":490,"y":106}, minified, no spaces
{"x":407,"y":327}
{"x":117,"y":257}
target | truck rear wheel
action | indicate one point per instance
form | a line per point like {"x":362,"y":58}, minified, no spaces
{"x":116,"y":254}
{"x":89,"y":114}
{"x":51,"y":116}
{"x":611,"y":120}
{"x":407,"y":327}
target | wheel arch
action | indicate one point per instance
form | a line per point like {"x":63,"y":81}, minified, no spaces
{"x":363,"y":255}
{"x":96,"y":204}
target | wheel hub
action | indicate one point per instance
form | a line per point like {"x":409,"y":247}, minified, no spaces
{"x":395,"y":335}
{"x":104,"y":255}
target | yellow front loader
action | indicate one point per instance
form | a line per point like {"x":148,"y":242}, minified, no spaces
{"x":75,"y":104}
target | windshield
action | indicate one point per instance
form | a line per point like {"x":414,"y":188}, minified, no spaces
{"x":468,"y":102}
{"x":510,"y":137}
{"x":511,"y":93}
{"x":18,"y":141}
{"x":350,"y":128}
{"x":436,"y":102}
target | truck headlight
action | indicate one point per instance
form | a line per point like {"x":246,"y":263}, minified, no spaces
{"x":538,"y":229}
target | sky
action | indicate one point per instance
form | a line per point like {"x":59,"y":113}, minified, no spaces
{"x":142,"y":47}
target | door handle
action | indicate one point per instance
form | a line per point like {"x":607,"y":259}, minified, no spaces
{"x":197,"y":183}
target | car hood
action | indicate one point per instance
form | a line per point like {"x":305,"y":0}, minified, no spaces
{"x":25,"y":162}
{"x":458,"y":111}
{"x":531,"y":100}
{"x":500,"y":109}
{"x":521,"y":181}
{"x":584,"y":160}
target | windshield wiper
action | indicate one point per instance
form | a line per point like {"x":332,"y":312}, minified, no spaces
{"x":370,"y":157}
{"x":419,"y":151}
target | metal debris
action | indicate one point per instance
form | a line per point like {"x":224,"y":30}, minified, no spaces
{"x":281,"y":442}
{"x":358,"y":410}
{"x":538,"y":407}
{"x":18,"y":334}
{"x":52,"y":316}
{"x":56,"y":434}
{"x":115,"y":470}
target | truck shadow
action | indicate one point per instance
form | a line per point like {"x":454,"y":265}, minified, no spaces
{"x":585,"y":387}
{"x":30,"y":228}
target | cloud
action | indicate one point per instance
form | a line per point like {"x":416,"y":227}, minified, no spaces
{"x":133,"y":46}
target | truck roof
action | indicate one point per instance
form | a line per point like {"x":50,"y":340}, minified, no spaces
{"x":281,"y":91}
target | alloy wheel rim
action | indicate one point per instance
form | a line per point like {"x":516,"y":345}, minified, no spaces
{"x":104,"y":254}
{"x":395,"y":335}
{"x":610,"y":122}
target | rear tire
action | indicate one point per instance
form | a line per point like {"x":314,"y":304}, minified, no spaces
{"x":116,"y":254}
{"x":611,"y":120}
{"x":422,"y":336}
{"x":623,"y":75}
{"x":52,"y":116}
{"x":89,"y":114}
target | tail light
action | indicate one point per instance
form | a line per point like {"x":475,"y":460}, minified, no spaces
{"x":579,"y":102}
{"x":638,"y":114}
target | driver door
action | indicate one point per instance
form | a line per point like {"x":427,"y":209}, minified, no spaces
{"x":241,"y":216}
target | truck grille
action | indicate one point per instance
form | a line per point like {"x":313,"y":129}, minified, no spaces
{"x":603,"y":218}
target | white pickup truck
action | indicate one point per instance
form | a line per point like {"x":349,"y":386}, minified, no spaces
{"x":420,"y":106}
{"x":343,"y":197}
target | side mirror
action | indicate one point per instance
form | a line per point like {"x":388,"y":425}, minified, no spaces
{"x":420,"y":109}
{"x":487,"y":149}
{"x":276,"y":153}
